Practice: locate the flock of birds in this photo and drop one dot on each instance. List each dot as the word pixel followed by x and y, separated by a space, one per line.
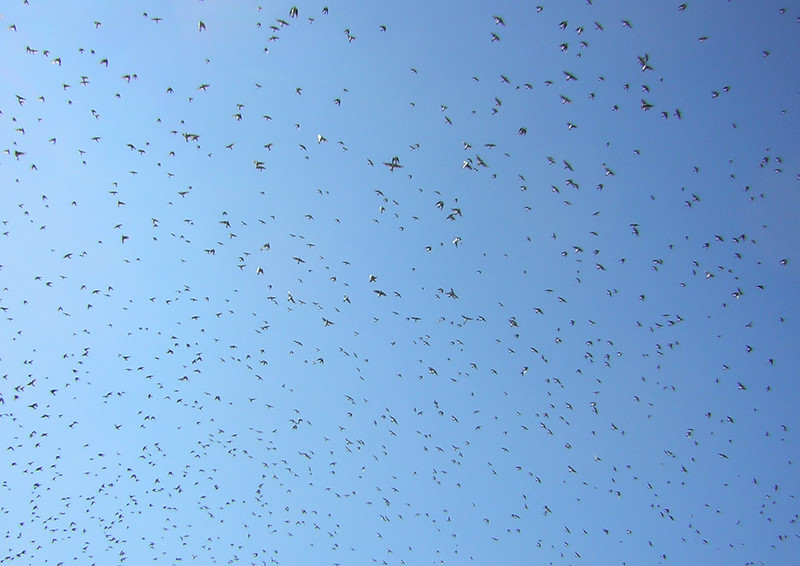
pixel 311 285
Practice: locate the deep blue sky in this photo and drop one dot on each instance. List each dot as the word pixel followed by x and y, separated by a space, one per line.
pixel 399 282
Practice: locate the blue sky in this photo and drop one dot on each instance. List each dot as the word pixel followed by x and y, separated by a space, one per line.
pixel 399 282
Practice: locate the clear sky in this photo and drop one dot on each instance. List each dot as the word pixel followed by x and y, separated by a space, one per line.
pixel 399 282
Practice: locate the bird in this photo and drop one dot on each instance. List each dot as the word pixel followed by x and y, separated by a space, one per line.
pixel 393 164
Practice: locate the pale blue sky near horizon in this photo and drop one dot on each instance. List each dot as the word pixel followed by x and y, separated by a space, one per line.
pixel 399 282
